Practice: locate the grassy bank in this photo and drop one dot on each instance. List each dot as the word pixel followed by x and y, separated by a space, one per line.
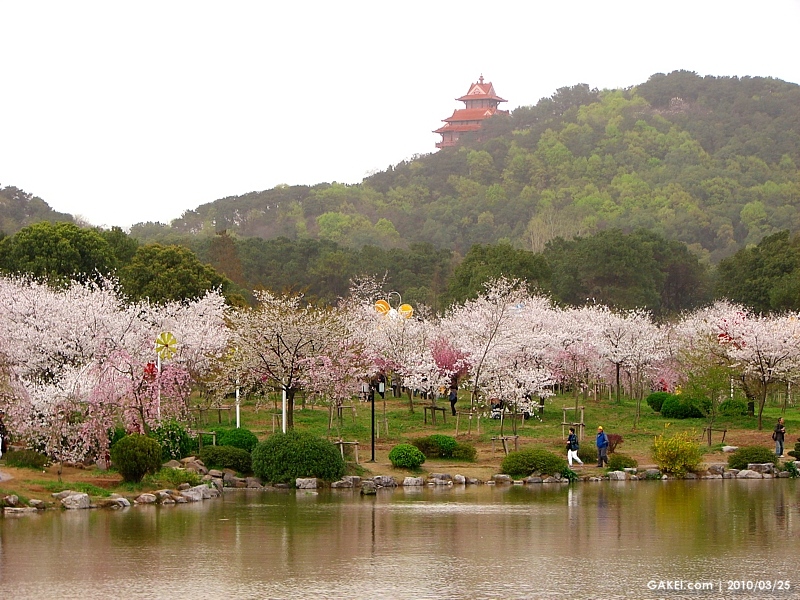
pixel 395 424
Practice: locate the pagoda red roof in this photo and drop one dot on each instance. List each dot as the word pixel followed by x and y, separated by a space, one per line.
pixel 458 127
pixel 471 114
pixel 481 91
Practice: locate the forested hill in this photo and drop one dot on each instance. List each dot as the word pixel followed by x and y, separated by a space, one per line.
pixel 709 161
pixel 19 209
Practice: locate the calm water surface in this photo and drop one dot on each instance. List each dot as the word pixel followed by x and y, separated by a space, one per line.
pixel 591 540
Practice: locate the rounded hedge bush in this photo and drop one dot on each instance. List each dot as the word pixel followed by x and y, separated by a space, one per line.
pixel 238 438
pixel 751 454
pixel 406 456
pixel 466 452
pixel 174 440
pixel 619 462
pixel 134 456
pixel 227 457
pixel 436 445
pixel 656 400
pixel 522 463
pixel 733 407
pixel 681 407
pixel 283 457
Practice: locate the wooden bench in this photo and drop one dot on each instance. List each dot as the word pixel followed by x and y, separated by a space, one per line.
pixel 433 410
pixel 342 444
pixel 504 440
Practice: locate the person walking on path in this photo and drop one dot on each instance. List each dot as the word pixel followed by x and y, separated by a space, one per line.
pixel 453 399
pixel 572 447
pixel 602 447
pixel 778 435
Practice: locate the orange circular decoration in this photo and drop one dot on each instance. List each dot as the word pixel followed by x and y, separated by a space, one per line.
pixel 406 310
pixel 382 306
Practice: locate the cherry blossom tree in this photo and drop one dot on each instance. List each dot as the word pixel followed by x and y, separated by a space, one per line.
pixel 275 340
pixel 78 361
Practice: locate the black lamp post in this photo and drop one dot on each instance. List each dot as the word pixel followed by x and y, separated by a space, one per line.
pixel 372 400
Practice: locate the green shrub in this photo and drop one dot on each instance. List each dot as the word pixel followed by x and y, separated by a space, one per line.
pixel 172 478
pixel 682 407
pixel 789 466
pixel 226 457
pixel 733 407
pixel 26 459
pixel 619 462
pixel 238 438
pixel 522 463
pixel 466 452
pixel 174 440
pixel 656 400
pixel 136 455
pixel 677 455
pixel 283 457
pixel 406 456
pixel 751 454
pixel 587 453
pixel 436 445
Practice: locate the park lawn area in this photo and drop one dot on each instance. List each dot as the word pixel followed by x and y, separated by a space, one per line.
pixel 395 424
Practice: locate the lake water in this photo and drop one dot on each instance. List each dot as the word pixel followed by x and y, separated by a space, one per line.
pixel 604 540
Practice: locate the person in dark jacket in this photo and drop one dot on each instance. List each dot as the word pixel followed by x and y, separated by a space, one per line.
pixel 453 399
pixel 572 447
pixel 778 435
pixel 602 447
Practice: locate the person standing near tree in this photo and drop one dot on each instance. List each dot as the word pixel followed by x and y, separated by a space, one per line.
pixel 572 447
pixel 453 399
pixel 778 435
pixel 602 447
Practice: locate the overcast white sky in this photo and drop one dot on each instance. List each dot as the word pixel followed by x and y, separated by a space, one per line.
pixel 137 111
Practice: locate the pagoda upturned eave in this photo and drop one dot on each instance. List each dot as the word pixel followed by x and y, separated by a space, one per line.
pixel 469 97
pixel 457 127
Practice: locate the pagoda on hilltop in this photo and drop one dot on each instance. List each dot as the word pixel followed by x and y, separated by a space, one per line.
pixel 480 102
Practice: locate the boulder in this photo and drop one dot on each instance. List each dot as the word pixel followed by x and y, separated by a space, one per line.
pixel 37 504
pixel 76 501
pixel 459 479
pixel 761 467
pixel 11 501
pixel 618 476
pixel 253 483
pixel 652 474
pixel 192 495
pixel 172 464
pixel 64 493
pixel 730 448
pixel 690 476
pixel 748 474
pixel 532 479
pixel 306 483
pixel 502 478
pixel 342 484
pixel 413 481
pixel 216 473
pixel 145 499
pixel 18 510
pixel 550 479
pixel 368 488
pixel 716 469
pixel 384 481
